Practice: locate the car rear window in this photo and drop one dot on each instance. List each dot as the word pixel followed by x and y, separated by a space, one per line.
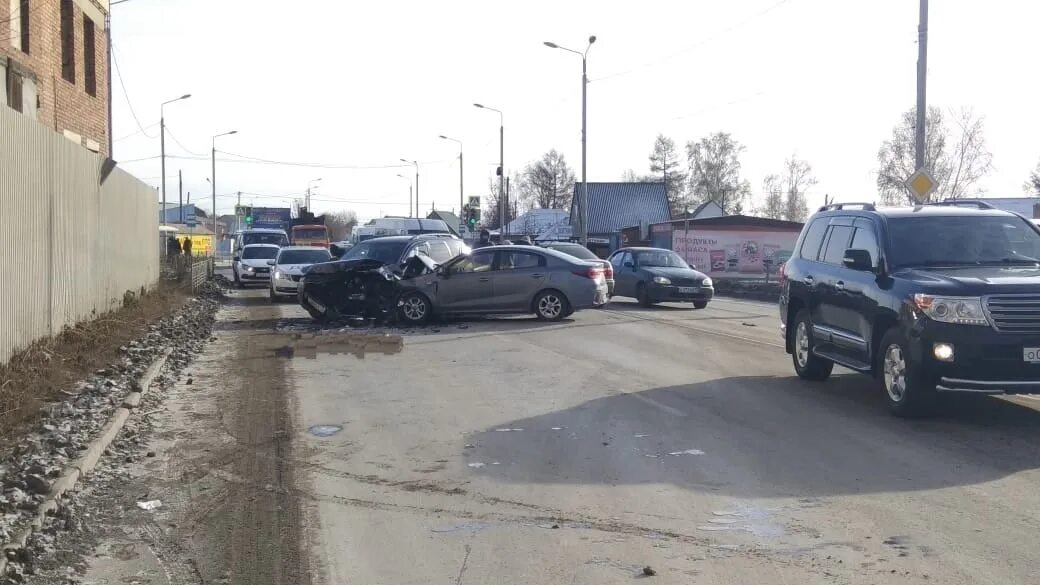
pixel 303 256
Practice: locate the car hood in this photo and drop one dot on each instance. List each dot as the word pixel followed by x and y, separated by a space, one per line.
pixel 256 263
pixel 291 268
pixel 974 280
pixel 673 272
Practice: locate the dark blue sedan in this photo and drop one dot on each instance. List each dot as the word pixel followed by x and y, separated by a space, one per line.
pixel 656 275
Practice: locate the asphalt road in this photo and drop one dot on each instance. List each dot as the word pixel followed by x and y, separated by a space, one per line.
pixel 511 451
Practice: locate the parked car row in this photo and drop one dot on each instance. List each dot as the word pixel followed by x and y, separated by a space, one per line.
pixel 412 278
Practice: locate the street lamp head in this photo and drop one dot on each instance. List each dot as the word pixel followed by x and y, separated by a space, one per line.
pixel 592 39
pixel 232 132
pixel 405 160
pixel 443 136
pixel 551 45
pixel 185 96
pixel 479 105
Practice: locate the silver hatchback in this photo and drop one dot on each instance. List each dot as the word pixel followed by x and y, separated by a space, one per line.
pixel 504 280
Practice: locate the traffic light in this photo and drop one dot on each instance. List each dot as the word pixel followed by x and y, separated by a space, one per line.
pixel 472 216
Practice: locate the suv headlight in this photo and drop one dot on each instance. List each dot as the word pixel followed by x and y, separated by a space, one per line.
pixel 661 280
pixel 277 274
pixel 959 310
pixel 706 282
pixel 250 269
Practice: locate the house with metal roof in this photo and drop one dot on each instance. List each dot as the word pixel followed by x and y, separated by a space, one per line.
pixel 454 223
pixel 613 206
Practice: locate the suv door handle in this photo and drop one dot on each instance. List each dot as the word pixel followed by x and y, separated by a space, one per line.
pixel 483 279
pixel 539 275
pixel 809 279
pixel 840 285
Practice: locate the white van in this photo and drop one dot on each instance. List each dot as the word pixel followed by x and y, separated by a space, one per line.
pixel 397 226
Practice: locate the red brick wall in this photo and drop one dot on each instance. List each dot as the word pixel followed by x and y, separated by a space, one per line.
pixel 62 105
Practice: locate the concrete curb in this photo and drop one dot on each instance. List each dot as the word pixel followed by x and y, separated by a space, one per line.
pixel 86 463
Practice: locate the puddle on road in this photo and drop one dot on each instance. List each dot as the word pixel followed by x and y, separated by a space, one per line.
pixel 324 430
pixel 358 345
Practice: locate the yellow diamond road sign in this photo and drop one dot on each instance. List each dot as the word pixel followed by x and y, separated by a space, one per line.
pixel 921 185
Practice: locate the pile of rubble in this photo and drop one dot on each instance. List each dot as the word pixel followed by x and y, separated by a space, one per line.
pixel 68 426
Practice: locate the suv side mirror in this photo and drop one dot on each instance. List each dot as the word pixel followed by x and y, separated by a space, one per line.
pixel 629 265
pixel 271 262
pixel 236 258
pixel 858 260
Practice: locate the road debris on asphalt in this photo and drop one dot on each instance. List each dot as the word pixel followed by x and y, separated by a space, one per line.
pixel 149 505
pixel 687 452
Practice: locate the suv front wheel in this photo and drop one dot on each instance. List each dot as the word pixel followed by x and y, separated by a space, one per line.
pixel 808 365
pixel 907 391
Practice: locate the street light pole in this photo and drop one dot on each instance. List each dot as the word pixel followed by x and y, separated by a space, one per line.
pixel 922 71
pixel 584 212
pixel 162 149
pixel 307 200
pixel 501 170
pixel 416 163
pixel 461 193
pixel 213 173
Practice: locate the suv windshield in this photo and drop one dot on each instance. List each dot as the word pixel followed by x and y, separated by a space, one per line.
pixel 259 253
pixel 663 258
pixel 303 256
pixel 387 252
pixel 961 240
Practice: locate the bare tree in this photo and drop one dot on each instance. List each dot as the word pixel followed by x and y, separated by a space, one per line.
pixel 340 224
pixel 715 172
pixel 774 206
pixel 548 183
pixel 956 162
pixel 665 166
pixel 1032 186
pixel 798 179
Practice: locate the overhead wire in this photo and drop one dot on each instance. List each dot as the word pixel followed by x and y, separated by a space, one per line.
pixel 126 96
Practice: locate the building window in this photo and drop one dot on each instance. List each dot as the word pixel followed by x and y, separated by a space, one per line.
pixel 23 24
pixel 68 43
pixel 14 90
pixel 89 77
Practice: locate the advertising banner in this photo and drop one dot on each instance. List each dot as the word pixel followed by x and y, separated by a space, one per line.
pixel 734 252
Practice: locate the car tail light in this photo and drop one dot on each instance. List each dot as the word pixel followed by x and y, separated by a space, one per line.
pixel 593 272
pixel 781 273
pixel 608 271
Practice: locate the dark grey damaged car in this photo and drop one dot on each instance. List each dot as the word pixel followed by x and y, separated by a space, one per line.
pixel 489 281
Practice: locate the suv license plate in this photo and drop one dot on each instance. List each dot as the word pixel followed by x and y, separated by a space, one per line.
pixel 687 289
pixel 1031 354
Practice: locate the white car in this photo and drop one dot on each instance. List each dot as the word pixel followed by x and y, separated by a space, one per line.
pixel 288 268
pixel 250 264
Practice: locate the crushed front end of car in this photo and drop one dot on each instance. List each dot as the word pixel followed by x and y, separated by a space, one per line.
pixel 357 291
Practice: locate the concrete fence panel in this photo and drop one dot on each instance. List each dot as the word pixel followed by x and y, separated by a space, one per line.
pixel 70 246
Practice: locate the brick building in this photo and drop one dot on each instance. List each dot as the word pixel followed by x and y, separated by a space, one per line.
pixel 54 66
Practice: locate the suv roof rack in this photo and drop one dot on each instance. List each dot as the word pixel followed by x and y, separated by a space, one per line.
pixel 865 206
pixel 976 203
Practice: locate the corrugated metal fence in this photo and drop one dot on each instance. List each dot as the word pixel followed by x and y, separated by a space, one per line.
pixel 69 247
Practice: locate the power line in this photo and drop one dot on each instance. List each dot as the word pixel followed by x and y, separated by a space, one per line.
pixel 694 46
pixel 317 165
pixel 131 135
pixel 115 63
pixel 178 142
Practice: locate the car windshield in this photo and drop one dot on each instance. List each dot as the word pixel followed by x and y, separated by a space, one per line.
pixel 387 252
pixel 265 238
pixel 962 240
pixel 660 258
pixel 259 253
pixel 303 256
pixel 580 252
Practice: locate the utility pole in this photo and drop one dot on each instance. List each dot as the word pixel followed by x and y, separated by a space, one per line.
pixel 180 197
pixel 460 180
pixel 922 71
pixel 505 218
pixel 584 143
pixel 416 190
pixel 162 160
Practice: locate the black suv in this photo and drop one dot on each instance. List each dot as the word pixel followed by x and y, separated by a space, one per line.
pixel 930 299
pixel 396 250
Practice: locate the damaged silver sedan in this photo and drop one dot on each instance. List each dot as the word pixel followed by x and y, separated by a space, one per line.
pixel 490 281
